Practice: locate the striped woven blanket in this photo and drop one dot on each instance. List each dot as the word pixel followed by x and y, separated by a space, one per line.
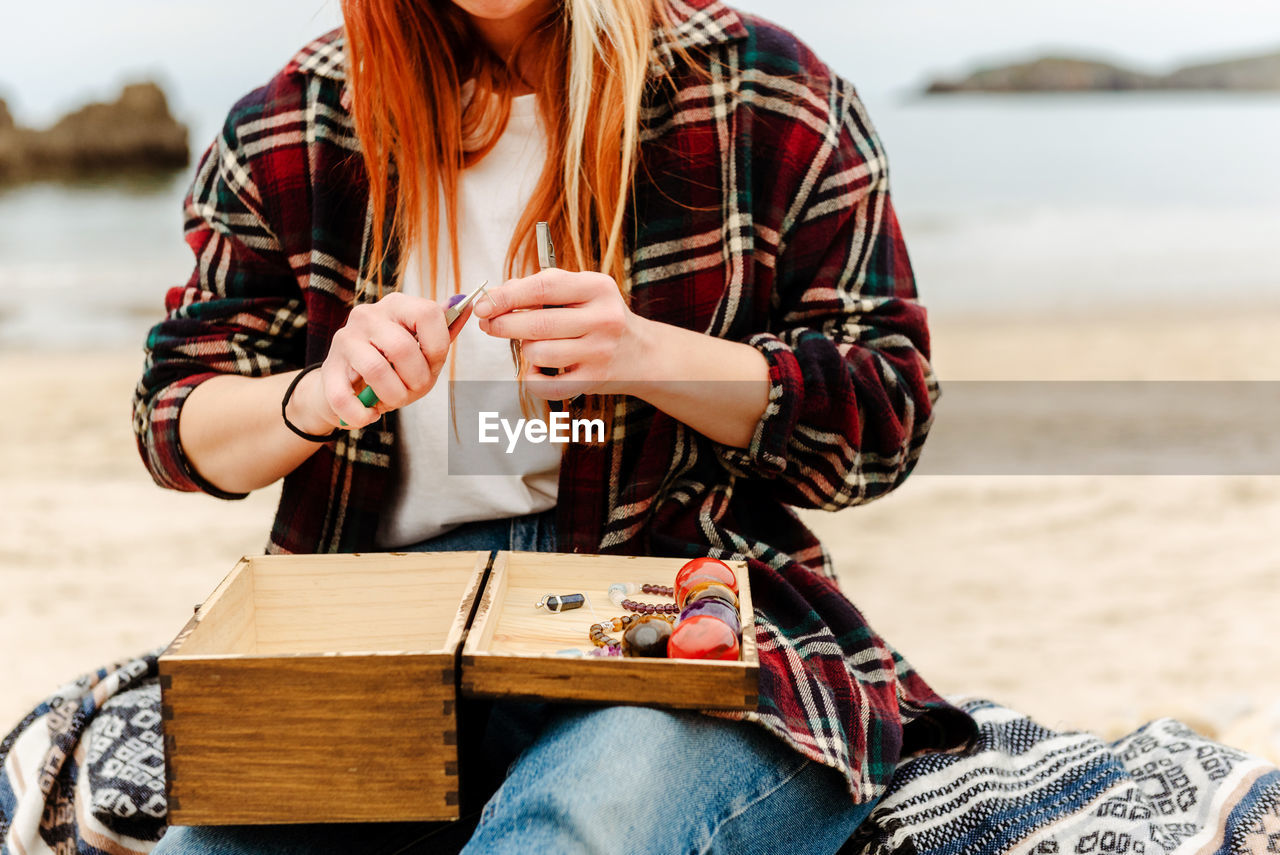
pixel 1023 789
pixel 84 773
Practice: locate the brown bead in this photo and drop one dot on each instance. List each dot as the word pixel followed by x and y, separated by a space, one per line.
pixel 647 638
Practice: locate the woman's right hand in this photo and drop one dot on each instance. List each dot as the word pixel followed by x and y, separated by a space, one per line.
pixel 397 346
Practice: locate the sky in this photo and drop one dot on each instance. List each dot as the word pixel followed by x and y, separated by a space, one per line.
pixel 56 55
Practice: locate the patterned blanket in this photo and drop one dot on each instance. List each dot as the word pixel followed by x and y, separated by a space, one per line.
pixel 1023 789
pixel 83 774
pixel 84 771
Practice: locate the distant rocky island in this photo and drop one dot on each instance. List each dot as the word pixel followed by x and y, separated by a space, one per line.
pixel 135 133
pixel 1067 74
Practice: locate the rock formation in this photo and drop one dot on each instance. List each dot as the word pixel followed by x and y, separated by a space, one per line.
pixel 1065 74
pixel 135 133
pixel 1254 74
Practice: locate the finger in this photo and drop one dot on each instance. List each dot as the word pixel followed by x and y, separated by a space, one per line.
pixel 433 335
pixel 372 367
pixel 413 313
pixel 402 350
pixel 434 340
pixel 557 353
pixel 545 288
pixel 560 387
pixel 540 324
pixel 335 375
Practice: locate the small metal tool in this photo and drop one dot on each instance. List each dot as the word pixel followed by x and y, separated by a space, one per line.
pixel 546 249
pixel 546 261
pixel 368 397
pixel 455 310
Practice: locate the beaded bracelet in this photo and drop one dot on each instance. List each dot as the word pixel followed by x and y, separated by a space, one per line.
pixel 638 638
pixel 619 590
pixel 708 617
pixel 618 624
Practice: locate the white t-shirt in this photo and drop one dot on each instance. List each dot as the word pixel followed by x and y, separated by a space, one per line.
pixel 428 500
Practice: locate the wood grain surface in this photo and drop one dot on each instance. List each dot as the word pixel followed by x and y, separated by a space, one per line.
pixel 511 649
pixel 325 688
pixel 320 689
pixel 345 738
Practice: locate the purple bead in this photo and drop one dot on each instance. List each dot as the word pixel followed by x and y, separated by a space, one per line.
pixel 456 299
pixel 605 651
pixel 715 608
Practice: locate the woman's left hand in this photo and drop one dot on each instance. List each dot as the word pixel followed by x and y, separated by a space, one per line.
pixel 719 388
pixel 576 322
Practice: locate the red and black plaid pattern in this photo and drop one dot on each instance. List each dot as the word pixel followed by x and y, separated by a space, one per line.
pixel 761 214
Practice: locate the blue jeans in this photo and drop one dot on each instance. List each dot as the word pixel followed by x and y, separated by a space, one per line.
pixel 579 779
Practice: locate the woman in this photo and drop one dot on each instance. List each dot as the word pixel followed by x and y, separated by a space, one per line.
pixel 735 299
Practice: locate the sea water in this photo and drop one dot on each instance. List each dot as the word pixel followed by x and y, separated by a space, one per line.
pixel 1040 204
pixel 1087 203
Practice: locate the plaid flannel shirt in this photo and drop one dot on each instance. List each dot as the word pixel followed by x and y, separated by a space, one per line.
pixel 760 214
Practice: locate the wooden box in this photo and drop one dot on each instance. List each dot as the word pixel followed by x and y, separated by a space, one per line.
pixel 320 689
pixel 511 648
pixel 325 688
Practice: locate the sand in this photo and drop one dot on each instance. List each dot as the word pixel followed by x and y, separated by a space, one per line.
pixel 1089 601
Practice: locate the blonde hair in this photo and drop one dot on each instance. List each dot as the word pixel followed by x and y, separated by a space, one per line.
pixel 600 28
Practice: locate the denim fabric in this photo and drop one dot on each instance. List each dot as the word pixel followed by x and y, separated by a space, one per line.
pixel 530 533
pixel 610 779
pixel 562 778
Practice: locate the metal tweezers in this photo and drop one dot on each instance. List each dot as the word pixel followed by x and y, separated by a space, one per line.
pixel 455 310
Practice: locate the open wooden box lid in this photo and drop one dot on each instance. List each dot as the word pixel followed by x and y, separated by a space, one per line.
pixel 298 605
pixel 320 688
pixel 512 647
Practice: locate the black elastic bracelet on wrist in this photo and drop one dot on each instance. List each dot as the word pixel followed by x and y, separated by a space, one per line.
pixel 284 410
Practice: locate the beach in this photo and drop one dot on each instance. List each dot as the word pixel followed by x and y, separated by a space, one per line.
pixel 1089 601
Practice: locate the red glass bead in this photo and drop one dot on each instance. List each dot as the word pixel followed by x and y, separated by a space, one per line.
pixel 716 569
pixel 704 570
pixel 703 637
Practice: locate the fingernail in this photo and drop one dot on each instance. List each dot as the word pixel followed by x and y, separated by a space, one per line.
pixel 483 307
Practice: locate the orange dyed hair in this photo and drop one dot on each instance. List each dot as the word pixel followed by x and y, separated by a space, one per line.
pixel 407 61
